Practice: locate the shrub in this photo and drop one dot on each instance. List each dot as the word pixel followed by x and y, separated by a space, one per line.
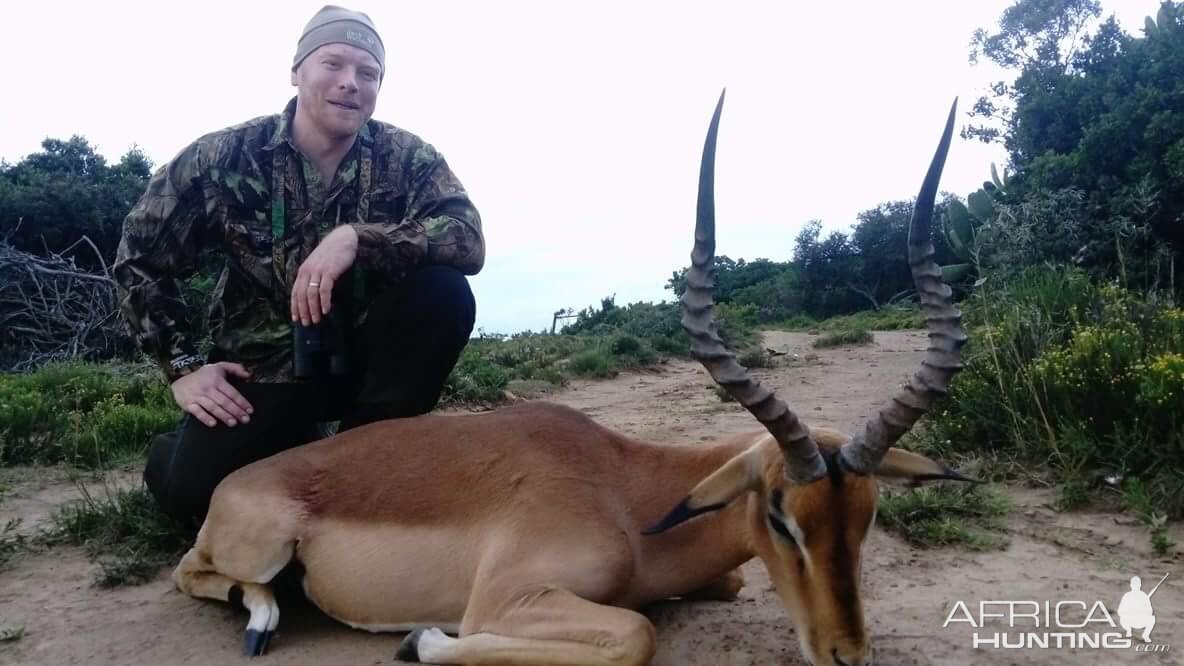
pixel 592 363
pixel 798 321
pixel 1082 380
pixel 891 318
pixel 88 414
pixel 476 377
pixel 625 345
pixel 737 325
pixel 632 352
pixel 857 336
pixel 678 345
pixel 755 358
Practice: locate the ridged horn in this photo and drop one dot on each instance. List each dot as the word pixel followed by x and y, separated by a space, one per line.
pixel 943 358
pixel 803 464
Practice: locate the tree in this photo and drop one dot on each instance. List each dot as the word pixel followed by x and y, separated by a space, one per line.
pixel 879 240
pixel 731 276
pixel 826 268
pixel 1100 114
pixel 54 197
pixel 1037 37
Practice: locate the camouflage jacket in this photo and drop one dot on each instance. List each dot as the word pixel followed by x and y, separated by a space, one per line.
pixel 216 196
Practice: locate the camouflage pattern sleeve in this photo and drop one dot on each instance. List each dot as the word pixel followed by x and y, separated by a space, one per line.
pixel 441 225
pixel 159 245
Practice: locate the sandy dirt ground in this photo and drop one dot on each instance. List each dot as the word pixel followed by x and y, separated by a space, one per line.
pixel 908 592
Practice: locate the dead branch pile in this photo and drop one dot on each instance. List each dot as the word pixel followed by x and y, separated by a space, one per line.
pixel 51 310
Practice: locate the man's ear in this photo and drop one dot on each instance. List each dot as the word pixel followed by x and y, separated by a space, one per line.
pixel 294 70
pixel 913 469
pixel 740 474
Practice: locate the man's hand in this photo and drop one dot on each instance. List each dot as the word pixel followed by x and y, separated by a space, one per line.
pixel 209 397
pixel 312 290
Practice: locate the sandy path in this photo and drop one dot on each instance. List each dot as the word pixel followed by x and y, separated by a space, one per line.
pixel 908 592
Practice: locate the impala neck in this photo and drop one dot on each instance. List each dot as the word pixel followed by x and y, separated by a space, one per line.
pixel 691 555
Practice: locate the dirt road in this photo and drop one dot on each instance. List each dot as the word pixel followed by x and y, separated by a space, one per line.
pixel 908 592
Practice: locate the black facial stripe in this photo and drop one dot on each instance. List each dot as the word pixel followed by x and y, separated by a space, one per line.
pixel 780 528
pixel 835 468
pixel 845 589
pixel 776 516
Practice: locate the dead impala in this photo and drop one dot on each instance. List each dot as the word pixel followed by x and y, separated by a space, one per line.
pixel 534 534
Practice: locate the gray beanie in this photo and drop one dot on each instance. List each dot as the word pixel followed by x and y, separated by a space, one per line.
pixel 332 25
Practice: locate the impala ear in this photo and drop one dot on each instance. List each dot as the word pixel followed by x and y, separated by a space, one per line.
pixel 913 469
pixel 743 473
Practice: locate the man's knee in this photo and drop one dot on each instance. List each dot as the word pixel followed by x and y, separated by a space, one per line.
pixel 176 494
pixel 440 297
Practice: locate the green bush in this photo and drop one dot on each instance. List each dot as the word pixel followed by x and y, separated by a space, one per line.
pixel 1082 380
pixel 626 345
pixel 891 318
pixel 797 322
pixel 478 378
pixel 85 414
pixel 738 325
pixel 657 325
pixel 632 352
pixel 672 345
pixel 592 363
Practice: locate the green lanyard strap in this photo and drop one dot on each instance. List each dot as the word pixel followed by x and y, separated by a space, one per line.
pixel 279 166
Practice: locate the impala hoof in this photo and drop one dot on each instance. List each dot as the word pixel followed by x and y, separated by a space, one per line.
pixel 255 642
pixel 409 648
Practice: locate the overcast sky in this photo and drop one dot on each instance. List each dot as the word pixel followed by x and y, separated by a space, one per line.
pixel 576 127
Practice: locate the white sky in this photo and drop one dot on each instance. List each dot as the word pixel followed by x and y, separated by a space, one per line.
pixel 575 126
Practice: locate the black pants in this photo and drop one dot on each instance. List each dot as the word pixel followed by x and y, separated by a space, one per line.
pixel 400 358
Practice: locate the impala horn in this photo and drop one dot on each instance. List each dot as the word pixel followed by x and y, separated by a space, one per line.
pixel 803 463
pixel 943 358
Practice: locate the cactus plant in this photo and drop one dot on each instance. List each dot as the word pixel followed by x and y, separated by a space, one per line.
pixel 961 222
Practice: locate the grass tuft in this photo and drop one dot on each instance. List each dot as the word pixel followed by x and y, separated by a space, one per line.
pixel 124 530
pixel 947 514
pixel 10 632
pixel 592 363
pixel 843 338
pixel 12 542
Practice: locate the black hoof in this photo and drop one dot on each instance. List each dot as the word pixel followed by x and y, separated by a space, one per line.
pixel 409 648
pixel 255 642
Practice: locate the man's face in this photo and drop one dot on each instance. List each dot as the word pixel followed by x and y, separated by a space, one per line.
pixel 337 86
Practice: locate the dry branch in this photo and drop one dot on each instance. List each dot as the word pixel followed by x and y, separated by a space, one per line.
pixel 51 310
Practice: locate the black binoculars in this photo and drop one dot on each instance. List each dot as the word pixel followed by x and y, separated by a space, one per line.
pixel 319 350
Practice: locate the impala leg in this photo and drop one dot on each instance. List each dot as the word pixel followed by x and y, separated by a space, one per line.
pixel 195 577
pixel 725 588
pixel 544 626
